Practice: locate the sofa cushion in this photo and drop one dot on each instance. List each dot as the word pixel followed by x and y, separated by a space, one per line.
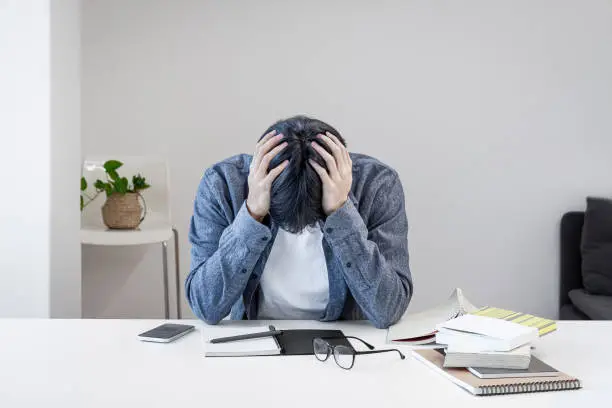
pixel 597 307
pixel 596 247
pixel 570 312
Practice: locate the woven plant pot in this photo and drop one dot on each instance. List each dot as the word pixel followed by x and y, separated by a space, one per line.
pixel 123 211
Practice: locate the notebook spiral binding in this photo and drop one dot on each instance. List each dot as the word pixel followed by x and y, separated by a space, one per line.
pixel 530 387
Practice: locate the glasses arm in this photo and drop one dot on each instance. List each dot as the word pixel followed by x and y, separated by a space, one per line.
pixel 380 351
pixel 368 345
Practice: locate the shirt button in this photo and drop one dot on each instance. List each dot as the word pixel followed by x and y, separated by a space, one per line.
pixel 243 270
pixel 329 230
pixel 348 264
pixel 264 238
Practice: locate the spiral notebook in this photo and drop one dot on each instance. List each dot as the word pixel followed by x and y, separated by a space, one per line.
pixel 495 386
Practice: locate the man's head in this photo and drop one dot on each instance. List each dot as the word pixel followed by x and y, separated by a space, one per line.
pixel 297 192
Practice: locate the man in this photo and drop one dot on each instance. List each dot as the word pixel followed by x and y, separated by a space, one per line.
pixel 300 230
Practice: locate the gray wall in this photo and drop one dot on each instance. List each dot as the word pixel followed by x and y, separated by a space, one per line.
pixel 65 255
pixel 496 115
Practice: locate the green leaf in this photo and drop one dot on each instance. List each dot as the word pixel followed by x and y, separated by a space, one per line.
pixel 112 165
pixel 139 183
pixel 121 185
pixel 82 203
pixel 100 185
pixel 108 188
pixel 83 184
pixel 113 175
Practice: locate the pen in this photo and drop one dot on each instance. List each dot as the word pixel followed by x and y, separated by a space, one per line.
pixel 246 336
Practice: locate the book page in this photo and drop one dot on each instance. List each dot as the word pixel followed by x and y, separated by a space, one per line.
pixel 423 324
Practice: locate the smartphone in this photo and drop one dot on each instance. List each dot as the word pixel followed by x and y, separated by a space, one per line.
pixel 166 333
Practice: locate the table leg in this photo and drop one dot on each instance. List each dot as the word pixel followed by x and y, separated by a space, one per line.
pixel 165 277
pixel 177 274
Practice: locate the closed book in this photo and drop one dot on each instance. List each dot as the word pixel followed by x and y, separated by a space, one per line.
pixel 484 333
pixel 537 368
pixel 518 358
pixel 544 326
pixel 494 386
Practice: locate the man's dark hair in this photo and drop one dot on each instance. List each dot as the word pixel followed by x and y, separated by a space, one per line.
pixel 297 192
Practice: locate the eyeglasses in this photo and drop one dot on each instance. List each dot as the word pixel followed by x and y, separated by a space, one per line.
pixel 343 355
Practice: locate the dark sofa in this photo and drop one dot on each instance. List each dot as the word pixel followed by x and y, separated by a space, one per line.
pixel 575 303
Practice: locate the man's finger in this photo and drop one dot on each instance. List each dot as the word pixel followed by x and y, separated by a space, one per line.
pixel 264 148
pixel 335 139
pixel 265 138
pixel 273 174
pixel 320 171
pixel 342 147
pixel 332 166
pixel 267 158
pixel 273 141
pixel 336 150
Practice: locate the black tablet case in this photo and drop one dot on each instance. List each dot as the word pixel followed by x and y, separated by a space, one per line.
pixel 299 342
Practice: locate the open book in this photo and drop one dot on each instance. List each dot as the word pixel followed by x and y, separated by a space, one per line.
pixel 420 328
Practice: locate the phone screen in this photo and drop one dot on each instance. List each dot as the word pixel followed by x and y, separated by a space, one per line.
pixel 167 331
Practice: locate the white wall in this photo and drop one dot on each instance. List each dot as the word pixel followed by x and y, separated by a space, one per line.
pixel 24 126
pixel 496 115
pixel 32 115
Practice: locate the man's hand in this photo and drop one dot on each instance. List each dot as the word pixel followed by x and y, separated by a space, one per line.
pixel 260 181
pixel 338 177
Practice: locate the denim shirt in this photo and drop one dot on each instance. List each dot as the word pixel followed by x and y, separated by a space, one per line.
pixel 365 243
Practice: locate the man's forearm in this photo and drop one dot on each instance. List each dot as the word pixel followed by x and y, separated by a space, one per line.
pixel 380 284
pixel 218 281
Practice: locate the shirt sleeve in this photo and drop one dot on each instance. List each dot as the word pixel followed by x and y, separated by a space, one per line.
pixel 223 253
pixel 374 257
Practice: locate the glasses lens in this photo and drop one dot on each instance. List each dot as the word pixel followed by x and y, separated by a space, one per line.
pixel 344 357
pixel 321 349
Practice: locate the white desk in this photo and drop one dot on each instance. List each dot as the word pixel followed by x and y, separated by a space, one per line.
pixel 100 363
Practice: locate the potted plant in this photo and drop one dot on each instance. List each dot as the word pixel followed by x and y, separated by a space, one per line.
pixel 122 209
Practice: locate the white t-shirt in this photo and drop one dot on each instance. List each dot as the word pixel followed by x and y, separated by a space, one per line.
pixel 294 284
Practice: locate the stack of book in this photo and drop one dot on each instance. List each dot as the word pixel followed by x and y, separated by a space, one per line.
pixel 488 352
pixel 480 341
